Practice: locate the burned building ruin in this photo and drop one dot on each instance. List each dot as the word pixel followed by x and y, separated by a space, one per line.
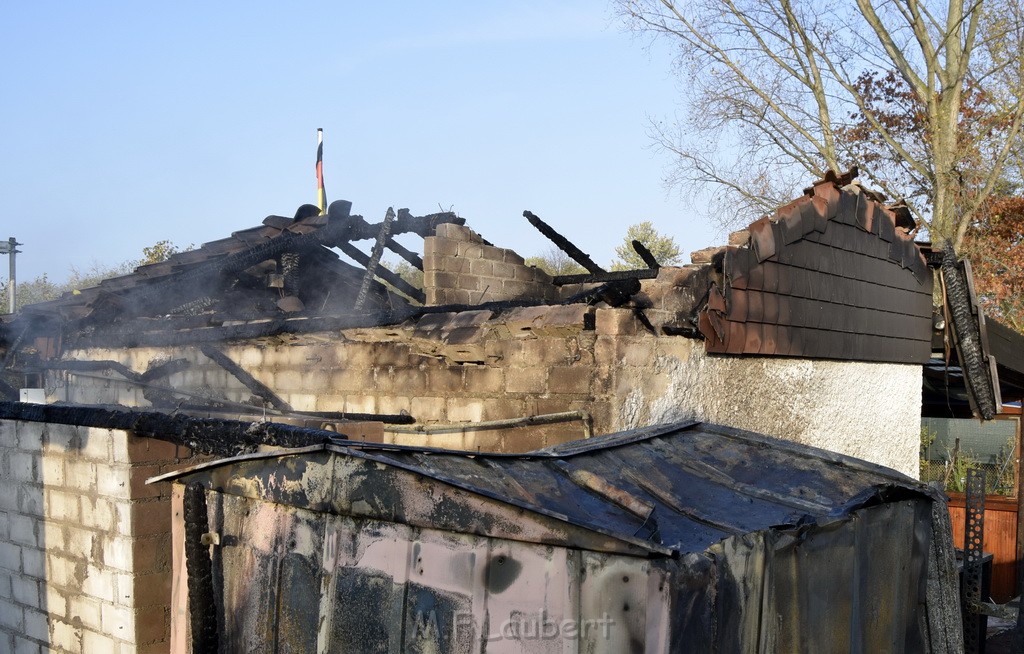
pixel 813 327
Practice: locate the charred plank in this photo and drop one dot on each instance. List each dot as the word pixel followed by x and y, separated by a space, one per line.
pixel 414 259
pixel 970 347
pixel 577 255
pixel 614 294
pixel 201 435
pixel 375 254
pixel 199 570
pixel 162 333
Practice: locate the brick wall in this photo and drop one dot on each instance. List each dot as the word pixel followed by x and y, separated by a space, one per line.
pixel 84 543
pixel 460 268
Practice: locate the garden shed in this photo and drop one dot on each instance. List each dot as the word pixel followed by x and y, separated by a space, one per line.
pixel 680 537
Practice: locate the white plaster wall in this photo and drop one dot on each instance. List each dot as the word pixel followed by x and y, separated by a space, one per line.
pixel 868 410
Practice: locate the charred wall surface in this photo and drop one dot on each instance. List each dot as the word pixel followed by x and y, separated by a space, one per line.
pixel 684 537
pixel 453 371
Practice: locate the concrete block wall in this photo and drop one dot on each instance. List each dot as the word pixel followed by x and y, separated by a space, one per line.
pixel 460 268
pixel 458 369
pixel 84 542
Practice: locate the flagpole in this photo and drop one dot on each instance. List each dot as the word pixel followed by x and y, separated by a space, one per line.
pixel 321 193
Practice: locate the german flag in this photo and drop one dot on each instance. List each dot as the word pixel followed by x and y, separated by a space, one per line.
pixel 321 194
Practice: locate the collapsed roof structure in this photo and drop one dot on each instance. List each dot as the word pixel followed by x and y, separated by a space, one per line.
pixel 812 326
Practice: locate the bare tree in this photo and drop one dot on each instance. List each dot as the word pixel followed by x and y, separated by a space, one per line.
pixel 771 85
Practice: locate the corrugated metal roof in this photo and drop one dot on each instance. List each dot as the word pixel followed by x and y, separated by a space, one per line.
pixel 667 489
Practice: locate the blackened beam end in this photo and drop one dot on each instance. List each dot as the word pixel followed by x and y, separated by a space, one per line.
pixel 564 244
pixel 646 255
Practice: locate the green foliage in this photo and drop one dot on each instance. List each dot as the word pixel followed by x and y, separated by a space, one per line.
pixel 663 248
pixel 39 289
pixel 952 471
pixel 556 262
pixel 159 251
pixel 956 470
pixel 408 272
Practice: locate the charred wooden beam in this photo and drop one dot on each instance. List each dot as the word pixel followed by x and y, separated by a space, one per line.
pixel 375 254
pixel 234 410
pixel 414 259
pixel 614 276
pixel 91 366
pixel 564 244
pixel 361 258
pixel 162 370
pixel 645 254
pixel 495 305
pixel 201 435
pixel 360 230
pixel 158 371
pixel 164 333
pixel 239 373
pixel 199 570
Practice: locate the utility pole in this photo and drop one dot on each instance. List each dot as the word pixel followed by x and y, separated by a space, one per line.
pixel 10 247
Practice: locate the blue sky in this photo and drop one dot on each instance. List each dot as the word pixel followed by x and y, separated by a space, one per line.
pixel 128 123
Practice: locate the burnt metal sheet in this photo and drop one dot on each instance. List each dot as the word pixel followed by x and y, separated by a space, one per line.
pixel 703 481
pixel 293 580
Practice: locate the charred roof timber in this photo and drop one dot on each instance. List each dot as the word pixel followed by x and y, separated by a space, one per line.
pixel 222 437
pixel 378 249
pixel 564 244
pixel 645 254
pixel 833 274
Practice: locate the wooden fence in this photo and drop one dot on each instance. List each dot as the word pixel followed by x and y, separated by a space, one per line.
pixel 1000 539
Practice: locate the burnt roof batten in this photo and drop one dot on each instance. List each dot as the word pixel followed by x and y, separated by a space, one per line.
pixel 375 254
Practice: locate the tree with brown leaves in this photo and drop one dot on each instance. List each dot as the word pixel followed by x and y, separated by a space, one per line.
pixel 771 86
